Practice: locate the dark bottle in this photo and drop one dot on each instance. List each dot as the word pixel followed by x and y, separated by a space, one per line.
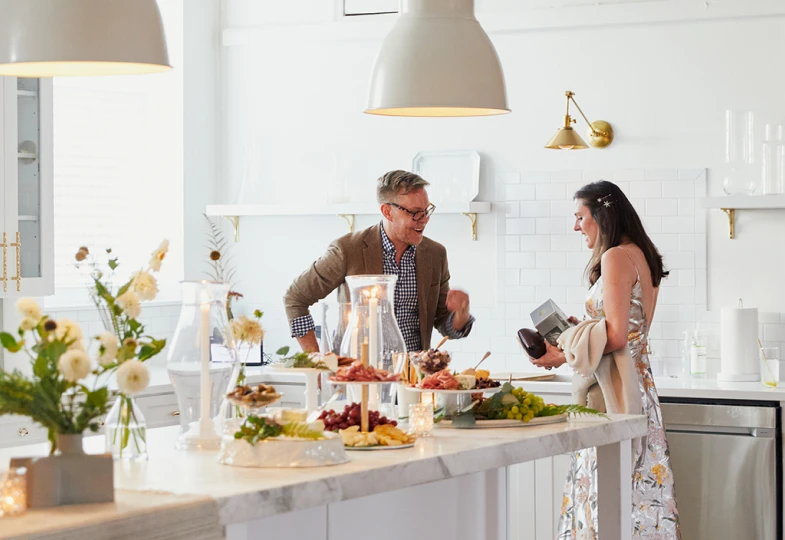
pixel 532 342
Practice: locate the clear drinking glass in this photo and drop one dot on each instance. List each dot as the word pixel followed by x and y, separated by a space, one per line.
pixel 770 366
pixel 13 492
pixel 772 160
pixel 202 361
pixel 739 153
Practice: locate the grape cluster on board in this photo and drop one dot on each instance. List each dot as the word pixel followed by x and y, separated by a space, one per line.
pixel 333 420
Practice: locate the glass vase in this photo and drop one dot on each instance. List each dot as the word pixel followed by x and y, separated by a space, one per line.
pixel 739 153
pixel 202 364
pixel 372 321
pixel 125 430
pixel 772 164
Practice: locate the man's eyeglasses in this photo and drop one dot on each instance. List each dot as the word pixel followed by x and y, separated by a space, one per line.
pixel 416 215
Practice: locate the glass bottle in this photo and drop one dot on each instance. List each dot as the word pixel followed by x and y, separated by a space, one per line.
pixel 739 153
pixel 125 430
pixel 202 361
pixel 772 160
pixel 373 321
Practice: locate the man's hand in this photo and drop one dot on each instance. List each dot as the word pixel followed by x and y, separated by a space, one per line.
pixel 458 303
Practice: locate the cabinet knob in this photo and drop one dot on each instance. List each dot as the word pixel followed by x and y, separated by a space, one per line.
pixel 175 413
pixel 23 432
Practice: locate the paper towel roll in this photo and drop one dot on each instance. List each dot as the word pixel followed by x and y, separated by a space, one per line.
pixel 739 345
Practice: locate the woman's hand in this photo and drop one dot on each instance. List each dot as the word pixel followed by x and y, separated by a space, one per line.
pixel 552 358
pixel 573 320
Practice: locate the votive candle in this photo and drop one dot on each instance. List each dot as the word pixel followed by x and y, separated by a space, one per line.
pixel 13 492
pixel 421 419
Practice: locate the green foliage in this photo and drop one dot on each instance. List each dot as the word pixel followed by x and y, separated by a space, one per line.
pixel 256 429
pixel 575 410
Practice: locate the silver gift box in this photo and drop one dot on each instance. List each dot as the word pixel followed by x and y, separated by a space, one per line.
pixel 550 321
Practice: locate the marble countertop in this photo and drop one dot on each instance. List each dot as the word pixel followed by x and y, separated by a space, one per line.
pixel 243 494
pixel 690 387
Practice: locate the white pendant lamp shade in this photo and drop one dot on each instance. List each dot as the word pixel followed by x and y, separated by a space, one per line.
pixel 52 38
pixel 437 61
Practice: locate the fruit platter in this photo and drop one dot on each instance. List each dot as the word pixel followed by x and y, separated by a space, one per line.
pixel 514 407
pixel 267 441
pixel 381 433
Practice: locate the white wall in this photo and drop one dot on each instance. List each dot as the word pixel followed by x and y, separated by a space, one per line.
pixel 293 102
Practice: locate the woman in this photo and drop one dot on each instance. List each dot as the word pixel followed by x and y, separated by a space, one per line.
pixel 624 272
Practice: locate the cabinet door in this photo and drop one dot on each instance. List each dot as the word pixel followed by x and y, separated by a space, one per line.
pixel 28 175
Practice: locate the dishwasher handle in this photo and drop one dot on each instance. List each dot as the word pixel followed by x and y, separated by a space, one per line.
pixel 713 417
pixel 763 433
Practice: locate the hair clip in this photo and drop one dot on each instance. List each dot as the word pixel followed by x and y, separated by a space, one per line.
pixel 602 201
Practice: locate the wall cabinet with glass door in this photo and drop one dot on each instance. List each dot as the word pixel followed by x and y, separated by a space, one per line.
pixel 27 188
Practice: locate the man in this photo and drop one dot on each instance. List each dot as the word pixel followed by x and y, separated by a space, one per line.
pixel 423 299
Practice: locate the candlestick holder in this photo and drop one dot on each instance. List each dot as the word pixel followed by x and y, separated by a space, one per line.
pixel 421 419
pixel 13 492
pixel 373 321
pixel 202 364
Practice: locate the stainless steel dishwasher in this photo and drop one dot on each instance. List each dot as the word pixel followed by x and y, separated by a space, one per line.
pixel 727 467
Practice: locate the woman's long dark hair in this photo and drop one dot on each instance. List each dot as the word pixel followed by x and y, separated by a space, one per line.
pixel 617 221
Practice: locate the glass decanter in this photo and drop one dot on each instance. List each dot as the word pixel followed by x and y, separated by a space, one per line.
pixel 372 321
pixel 740 174
pixel 202 361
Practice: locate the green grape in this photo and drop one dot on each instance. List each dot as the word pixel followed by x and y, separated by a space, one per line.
pixel 518 416
pixel 510 415
pixel 514 409
pixel 527 401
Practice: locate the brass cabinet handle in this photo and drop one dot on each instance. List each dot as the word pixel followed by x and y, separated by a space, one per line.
pixel 4 279
pixel 175 413
pixel 23 432
pixel 18 277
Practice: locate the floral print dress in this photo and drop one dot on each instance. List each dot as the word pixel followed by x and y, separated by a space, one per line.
pixel 654 513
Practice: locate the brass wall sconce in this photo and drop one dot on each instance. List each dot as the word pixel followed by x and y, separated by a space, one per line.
pixel 600 132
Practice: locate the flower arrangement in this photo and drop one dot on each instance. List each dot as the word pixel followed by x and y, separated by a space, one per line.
pixel 124 346
pixel 249 332
pixel 220 260
pixel 55 396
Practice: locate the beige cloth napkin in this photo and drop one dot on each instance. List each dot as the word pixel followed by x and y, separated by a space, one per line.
pixel 604 382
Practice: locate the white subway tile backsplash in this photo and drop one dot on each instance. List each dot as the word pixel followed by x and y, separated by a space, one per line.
pixel 774 332
pixel 662 175
pixel 551 260
pixel 553 225
pixel 535 177
pixel 678 224
pixel 566 242
pixel 520 192
pixel 535 242
pixel 686 242
pixel 678 189
pixel 662 207
pixel 520 225
pixel 667 314
pixel 509 178
pixel 520 260
pixel 512 276
pixel 563 208
pixel 666 242
pixel 519 294
pixel 578 260
pixel 690 174
pixel 687 207
pixel 512 243
pixel 629 175
pixel 593 175
pixel 686 278
pixel 567 177
pixel 512 209
pixel 646 190
pixel 535 209
pixel 551 191
pixel 557 294
pixel 652 224
pixel 566 277
pixel 577 295
pixel 535 277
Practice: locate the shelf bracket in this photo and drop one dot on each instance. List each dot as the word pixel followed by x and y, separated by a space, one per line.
pixel 235 221
pixel 473 218
pixel 350 220
pixel 731 213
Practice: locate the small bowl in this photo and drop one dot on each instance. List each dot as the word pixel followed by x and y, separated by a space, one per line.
pixel 430 361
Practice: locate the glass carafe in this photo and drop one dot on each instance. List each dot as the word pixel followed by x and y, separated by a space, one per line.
pixel 202 361
pixel 739 153
pixel 372 321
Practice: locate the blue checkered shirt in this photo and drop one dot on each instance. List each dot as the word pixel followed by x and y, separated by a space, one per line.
pixel 407 305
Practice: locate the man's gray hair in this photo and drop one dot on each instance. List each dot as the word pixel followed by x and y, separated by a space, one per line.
pixel 395 183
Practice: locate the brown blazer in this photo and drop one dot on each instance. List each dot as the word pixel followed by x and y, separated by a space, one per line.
pixel 361 253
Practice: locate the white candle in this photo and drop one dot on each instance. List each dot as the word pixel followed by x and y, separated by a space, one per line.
pixel 373 331
pixel 353 351
pixel 205 422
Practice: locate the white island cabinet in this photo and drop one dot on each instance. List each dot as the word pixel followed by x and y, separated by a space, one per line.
pixel 451 485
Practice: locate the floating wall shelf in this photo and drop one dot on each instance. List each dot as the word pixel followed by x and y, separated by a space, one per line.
pixel 730 203
pixel 347 211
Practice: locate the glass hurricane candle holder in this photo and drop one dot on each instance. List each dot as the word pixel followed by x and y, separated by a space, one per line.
pixel 202 364
pixel 13 492
pixel 421 419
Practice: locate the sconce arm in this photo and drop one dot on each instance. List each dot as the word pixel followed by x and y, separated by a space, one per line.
pixel 594 131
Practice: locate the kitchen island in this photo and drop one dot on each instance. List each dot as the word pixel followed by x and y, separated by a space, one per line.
pixel 451 485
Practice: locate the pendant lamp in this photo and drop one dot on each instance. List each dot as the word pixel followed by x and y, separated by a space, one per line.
pixel 52 38
pixel 437 61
